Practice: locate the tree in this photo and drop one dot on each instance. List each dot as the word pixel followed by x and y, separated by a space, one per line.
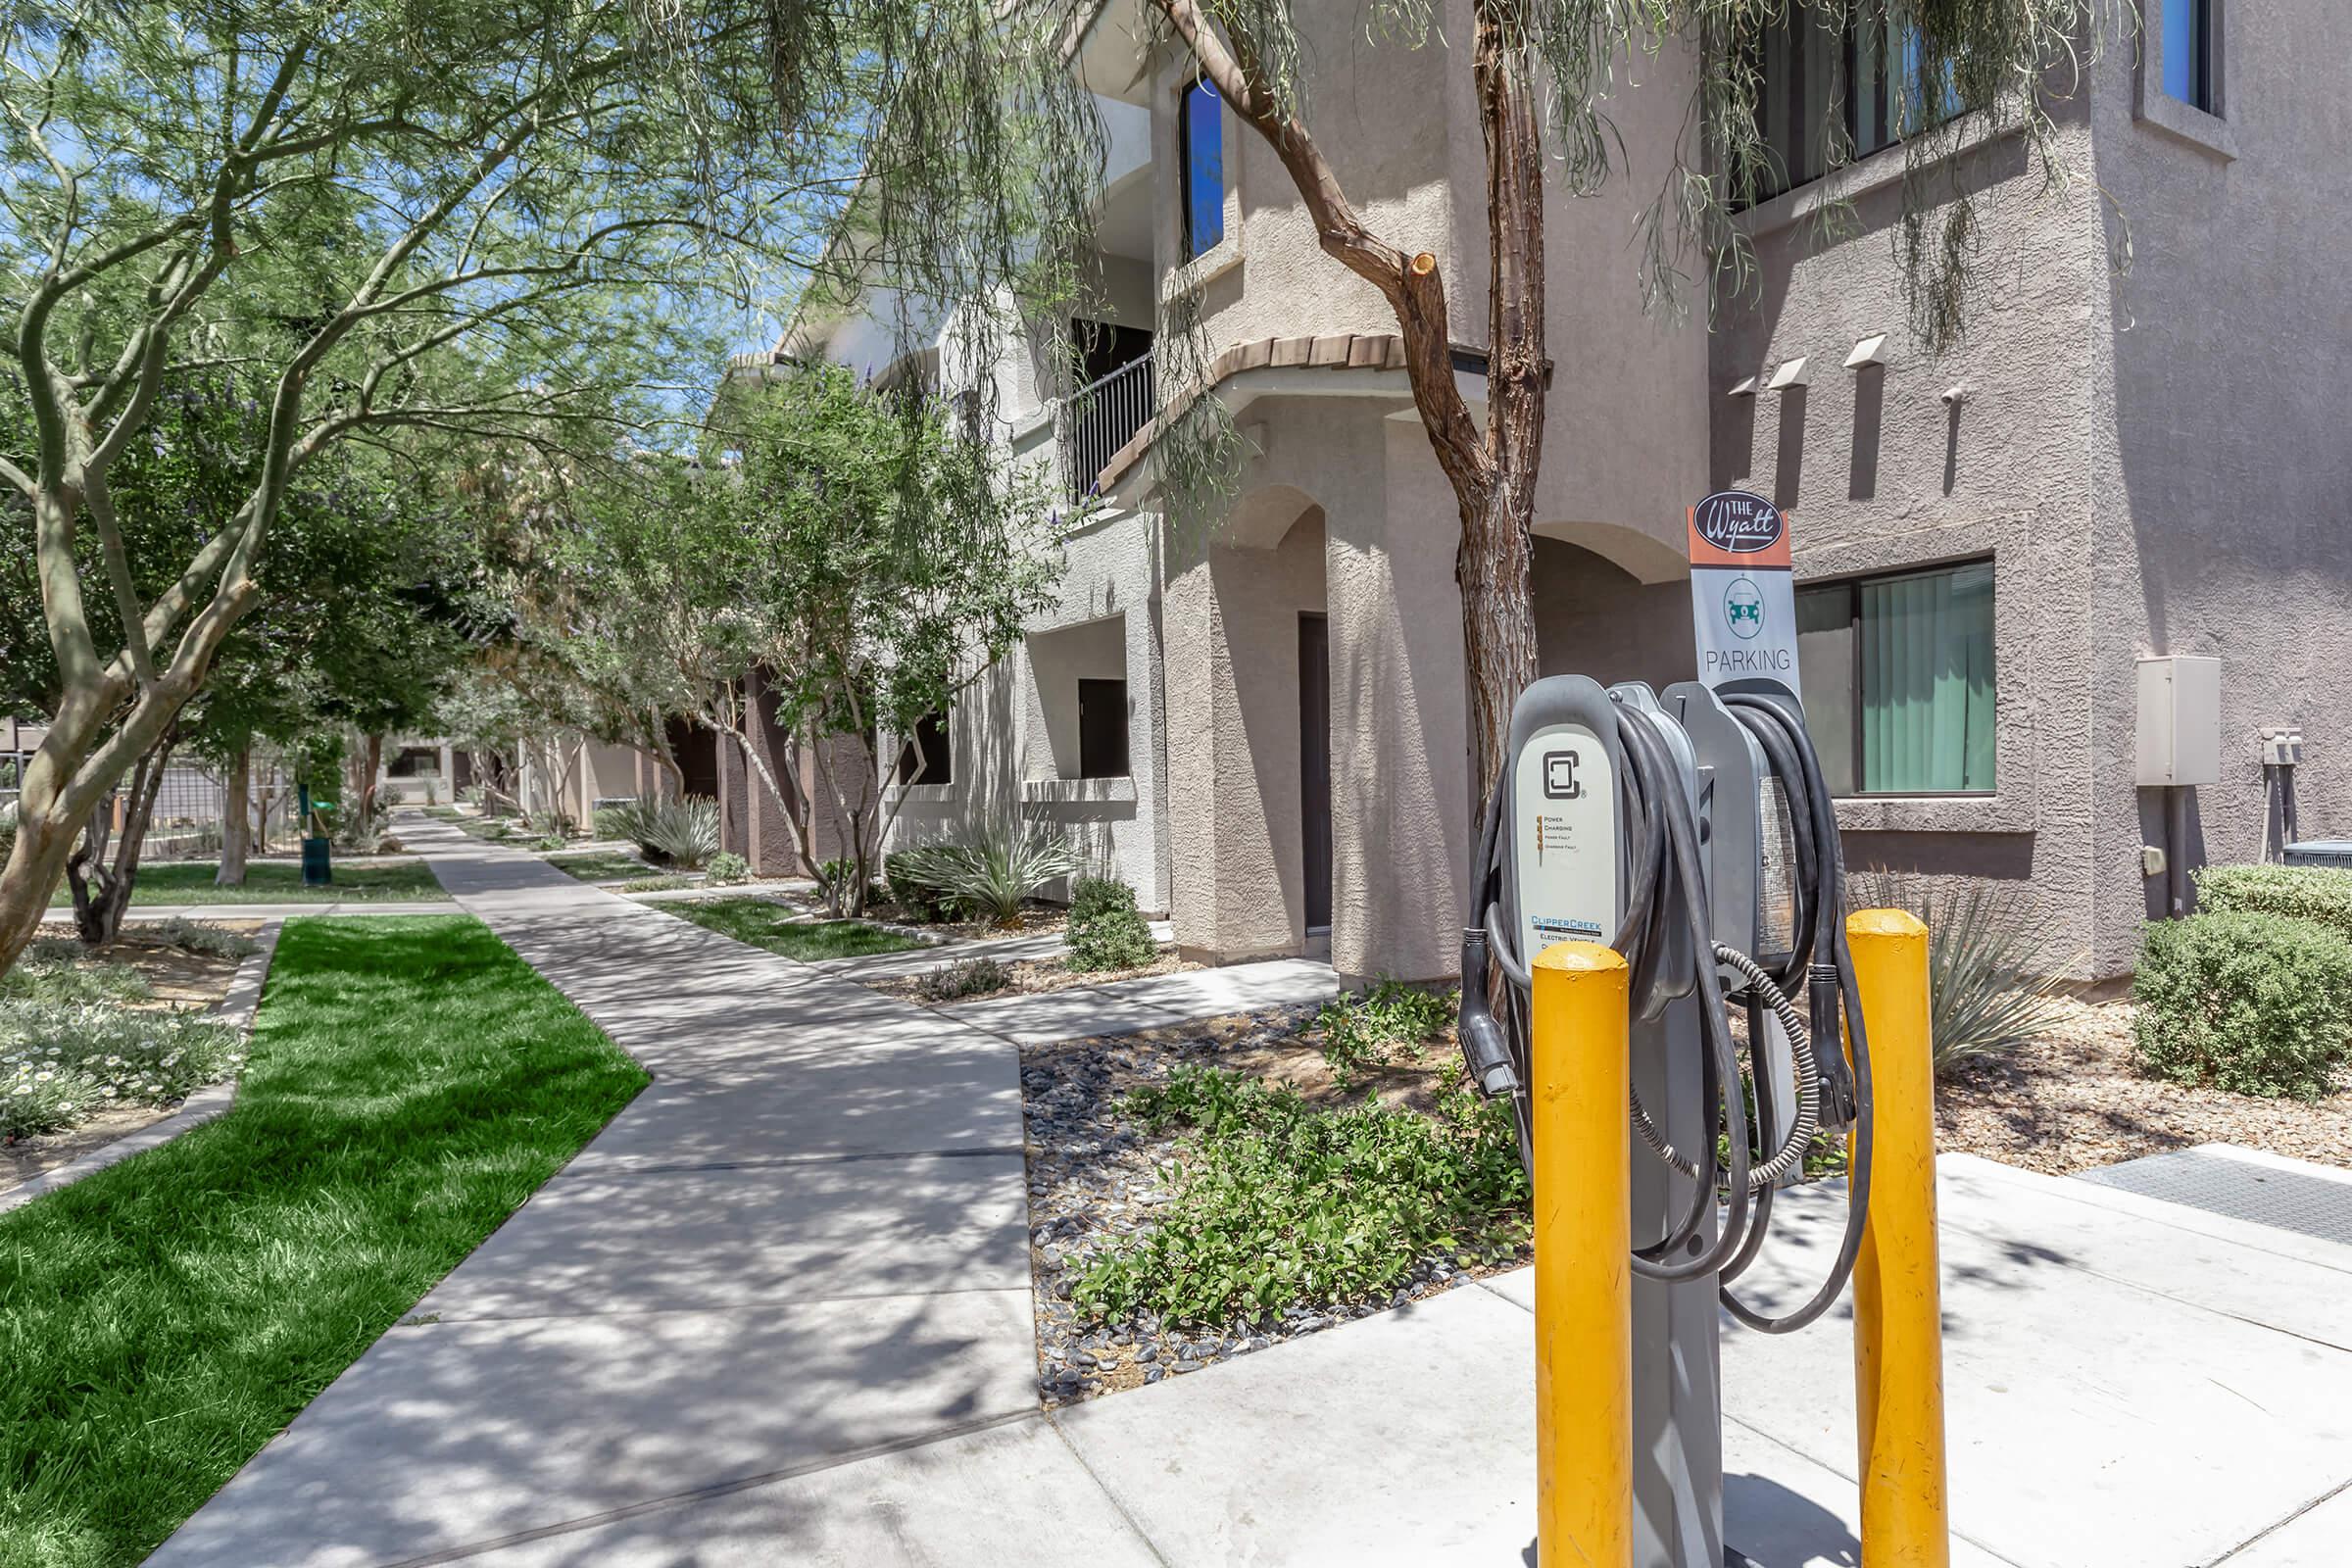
pixel 393 217
pixel 852 554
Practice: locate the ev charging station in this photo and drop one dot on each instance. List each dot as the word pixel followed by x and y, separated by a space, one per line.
pixel 1689 831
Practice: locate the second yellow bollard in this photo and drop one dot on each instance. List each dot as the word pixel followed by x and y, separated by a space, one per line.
pixel 1580 1076
pixel 1898 1323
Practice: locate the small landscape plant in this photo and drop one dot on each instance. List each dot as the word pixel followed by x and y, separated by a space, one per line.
pixel 1105 930
pixel 617 821
pixel 194 936
pixel 62 1062
pixel 1281 1202
pixel 917 899
pixel 1365 1031
pixel 994 875
pixel 728 866
pixel 2258 1003
pixel 2321 893
pixel 652 884
pixel 1991 986
pixel 973 977
pixel 680 833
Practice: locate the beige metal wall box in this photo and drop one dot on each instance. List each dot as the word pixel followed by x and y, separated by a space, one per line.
pixel 2179 720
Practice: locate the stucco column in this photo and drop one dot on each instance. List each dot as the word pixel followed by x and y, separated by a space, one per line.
pixel 734 819
pixel 1399 739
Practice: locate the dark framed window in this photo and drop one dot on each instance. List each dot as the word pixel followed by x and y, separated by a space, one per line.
pixel 926 758
pixel 1101 729
pixel 2188 53
pixel 416 761
pixel 1872 71
pixel 1900 681
pixel 1201 140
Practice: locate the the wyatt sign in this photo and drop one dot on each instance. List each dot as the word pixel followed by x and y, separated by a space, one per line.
pixel 1742 597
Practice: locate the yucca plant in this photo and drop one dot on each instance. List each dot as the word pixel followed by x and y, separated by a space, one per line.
pixel 994 875
pixel 681 833
pixel 1991 986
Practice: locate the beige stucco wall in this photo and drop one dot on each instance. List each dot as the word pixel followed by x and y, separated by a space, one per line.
pixel 2226 472
pixel 1233 754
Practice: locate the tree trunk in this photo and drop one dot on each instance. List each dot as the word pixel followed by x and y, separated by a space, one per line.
pixel 237 825
pixel 371 767
pixel 102 890
pixel 1495 565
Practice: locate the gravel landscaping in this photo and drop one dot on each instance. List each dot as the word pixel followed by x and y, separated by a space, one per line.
pixel 2074 1099
pixel 1095 1178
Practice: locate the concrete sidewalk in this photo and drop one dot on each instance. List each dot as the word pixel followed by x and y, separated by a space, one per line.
pixel 803 1246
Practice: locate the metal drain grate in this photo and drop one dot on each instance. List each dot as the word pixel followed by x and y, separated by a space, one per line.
pixel 2266 1195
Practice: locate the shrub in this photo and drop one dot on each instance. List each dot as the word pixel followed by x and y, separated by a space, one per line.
pixel 973 977
pixel 916 900
pixel 1105 931
pixel 193 936
pixel 1363 1031
pixel 1282 1203
pixel 1990 985
pixel 2321 893
pixel 728 866
pixel 616 821
pixel 680 833
pixel 994 875
pixel 63 1063
pixel 360 825
pixel 2259 1003
pixel 551 822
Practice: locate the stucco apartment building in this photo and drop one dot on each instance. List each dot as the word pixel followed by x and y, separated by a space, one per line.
pixel 1264 729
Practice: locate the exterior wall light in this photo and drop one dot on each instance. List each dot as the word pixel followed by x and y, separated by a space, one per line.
pixel 1791 373
pixel 1745 387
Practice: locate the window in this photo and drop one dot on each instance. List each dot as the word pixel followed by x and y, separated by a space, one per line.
pixel 926 758
pixel 2187 48
pixel 416 761
pixel 1873 73
pixel 1898 677
pixel 1200 137
pixel 1101 729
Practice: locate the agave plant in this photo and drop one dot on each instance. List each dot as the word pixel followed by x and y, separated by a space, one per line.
pixel 994 875
pixel 1990 985
pixel 683 833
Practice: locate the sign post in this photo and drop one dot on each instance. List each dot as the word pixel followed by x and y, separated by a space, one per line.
pixel 1743 590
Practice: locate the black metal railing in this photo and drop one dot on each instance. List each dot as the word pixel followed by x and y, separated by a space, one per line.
pixel 1100 418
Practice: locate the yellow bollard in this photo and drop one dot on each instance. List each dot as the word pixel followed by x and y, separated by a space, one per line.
pixel 1898 1324
pixel 1584 1276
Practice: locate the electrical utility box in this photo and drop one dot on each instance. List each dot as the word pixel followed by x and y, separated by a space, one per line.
pixel 2180 721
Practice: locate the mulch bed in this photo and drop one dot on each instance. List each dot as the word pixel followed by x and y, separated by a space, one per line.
pixel 1094 1179
pixel 2073 1101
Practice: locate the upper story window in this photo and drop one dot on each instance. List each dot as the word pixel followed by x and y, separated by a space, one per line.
pixel 2188 45
pixel 1200 138
pixel 927 757
pixel 1870 70
pixel 1898 679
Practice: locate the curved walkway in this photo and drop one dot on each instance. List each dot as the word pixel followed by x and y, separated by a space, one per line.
pixel 777 1310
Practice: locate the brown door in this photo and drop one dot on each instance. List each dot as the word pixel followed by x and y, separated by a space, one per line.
pixel 1314 765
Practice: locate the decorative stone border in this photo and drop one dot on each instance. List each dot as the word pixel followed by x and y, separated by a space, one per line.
pixel 235 1009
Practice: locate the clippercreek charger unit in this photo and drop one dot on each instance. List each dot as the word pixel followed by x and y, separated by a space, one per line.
pixel 1691 831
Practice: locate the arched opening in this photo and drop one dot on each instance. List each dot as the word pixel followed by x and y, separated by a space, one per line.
pixel 1595 616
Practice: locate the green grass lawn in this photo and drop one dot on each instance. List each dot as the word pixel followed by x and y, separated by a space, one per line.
pixel 765 924
pixel 277 882
pixel 599 866
pixel 412 1082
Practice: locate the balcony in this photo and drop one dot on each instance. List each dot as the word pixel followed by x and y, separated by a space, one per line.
pixel 1099 418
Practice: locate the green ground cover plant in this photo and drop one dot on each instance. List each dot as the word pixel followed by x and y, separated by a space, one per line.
pixel 1105 931
pixel 1279 1201
pixel 187 882
pixel 1360 1032
pixel 2259 1003
pixel 412 1082
pixel 598 865
pixel 654 884
pixel 782 929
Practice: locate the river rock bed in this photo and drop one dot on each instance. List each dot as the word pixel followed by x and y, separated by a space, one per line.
pixel 1095 1178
